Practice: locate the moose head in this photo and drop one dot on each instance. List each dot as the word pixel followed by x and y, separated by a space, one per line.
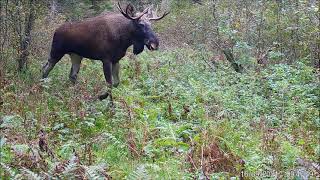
pixel 144 35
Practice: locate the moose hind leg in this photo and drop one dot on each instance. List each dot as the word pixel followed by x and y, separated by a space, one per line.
pixel 115 74
pixel 76 61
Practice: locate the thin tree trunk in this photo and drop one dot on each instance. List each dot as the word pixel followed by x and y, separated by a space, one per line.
pixel 4 28
pixel 24 44
pixel 294 32
pixel 215 21
pixel 2 39
pixel 1 33
pixel 260 44
pixel 279 31
pixel 297 37
pixel 317 60
pixel 16 21
pixel 247 17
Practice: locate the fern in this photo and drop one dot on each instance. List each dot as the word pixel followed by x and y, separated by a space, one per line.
pixel 9 170
pixel 70 167
pixel 114 140
pixel 52 170
pixel 91 173
pixel 139 173
pixel 30 174
pixel 95 172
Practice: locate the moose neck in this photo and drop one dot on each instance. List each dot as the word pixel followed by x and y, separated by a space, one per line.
pixel 131 38
pixel 126 37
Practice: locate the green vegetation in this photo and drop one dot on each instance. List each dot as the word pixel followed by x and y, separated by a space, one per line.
pixel 169 105
pixel 178 113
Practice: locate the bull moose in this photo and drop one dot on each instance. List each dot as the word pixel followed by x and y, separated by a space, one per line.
pixel 106 38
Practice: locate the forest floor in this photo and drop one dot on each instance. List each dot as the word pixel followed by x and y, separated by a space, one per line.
pixel 174 118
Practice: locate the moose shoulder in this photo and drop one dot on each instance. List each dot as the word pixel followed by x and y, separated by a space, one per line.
pixel 106 38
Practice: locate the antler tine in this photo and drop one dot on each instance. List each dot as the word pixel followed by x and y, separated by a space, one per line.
pixel 158 18
pixel 122 12
pixel 119 7
pixel 143 13
pixel 155 16
pixel 125 14
pixel 156 10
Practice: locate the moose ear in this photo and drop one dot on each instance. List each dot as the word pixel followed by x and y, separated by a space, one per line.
pixel 137 47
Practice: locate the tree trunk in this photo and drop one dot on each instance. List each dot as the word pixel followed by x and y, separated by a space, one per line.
pixel 279 30
pixel 260 28
pixel 215 21
pixel 25 42
pixel 1 33
pixel 4 27
pixel 2 39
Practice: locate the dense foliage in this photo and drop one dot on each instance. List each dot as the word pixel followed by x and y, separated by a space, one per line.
pixel 180 113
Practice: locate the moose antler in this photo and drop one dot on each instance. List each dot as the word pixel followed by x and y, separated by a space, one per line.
pixel 131 8
pixel 157 18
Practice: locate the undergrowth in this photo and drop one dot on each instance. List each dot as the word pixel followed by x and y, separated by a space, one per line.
pixel 174 118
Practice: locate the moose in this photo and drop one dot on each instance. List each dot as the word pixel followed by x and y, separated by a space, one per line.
pixel 106 38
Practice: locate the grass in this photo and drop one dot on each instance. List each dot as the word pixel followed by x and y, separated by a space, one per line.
pixel 174 118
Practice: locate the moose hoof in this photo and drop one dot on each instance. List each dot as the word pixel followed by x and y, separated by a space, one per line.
pixel 115 84
pixel 44 74
pixel 73 81
pixel 103 96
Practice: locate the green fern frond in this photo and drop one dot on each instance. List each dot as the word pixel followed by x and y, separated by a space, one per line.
pixel 91 173
pixel 114 140
pixel 52 169
pixel 139 174
pixel 70 167
pixel 9 170
pixel 95 172
pixel 30 174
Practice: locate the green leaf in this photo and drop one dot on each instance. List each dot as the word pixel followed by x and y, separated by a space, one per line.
pixel 11 121
pixel 3 140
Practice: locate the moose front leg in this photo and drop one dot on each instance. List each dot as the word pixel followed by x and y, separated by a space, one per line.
pixel 49 66
pixel 115 74
pixel 107 69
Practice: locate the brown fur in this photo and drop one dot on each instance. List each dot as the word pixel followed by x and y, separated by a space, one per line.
pixel 105 37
